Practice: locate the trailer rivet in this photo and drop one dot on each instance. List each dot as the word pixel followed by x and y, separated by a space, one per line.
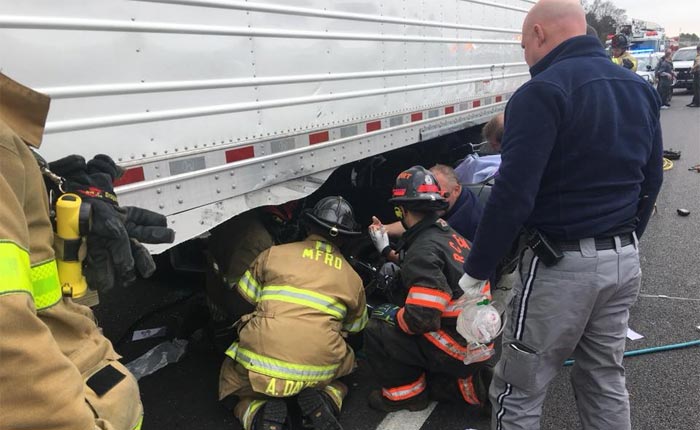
pixel 161 206
pixel 158 191
pixel 216 177
pixel 179 201
pixel 218 191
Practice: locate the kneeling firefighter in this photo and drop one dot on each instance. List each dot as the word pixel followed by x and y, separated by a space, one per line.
pixel 415 349
pixel 300 299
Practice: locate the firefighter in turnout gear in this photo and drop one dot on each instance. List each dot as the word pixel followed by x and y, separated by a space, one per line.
pixel 300 300
pixel 414 350
pixel 621 56
pixel 58 371
pixel 232 248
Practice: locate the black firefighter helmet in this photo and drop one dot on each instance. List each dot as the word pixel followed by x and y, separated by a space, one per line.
pixel 335 214
pixel 620 41
pixel 417 189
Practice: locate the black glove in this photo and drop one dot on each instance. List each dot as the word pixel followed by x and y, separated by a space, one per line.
pixel 114 250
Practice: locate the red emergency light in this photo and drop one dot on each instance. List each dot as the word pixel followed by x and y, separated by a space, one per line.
pixel 610 36
pixel 652 33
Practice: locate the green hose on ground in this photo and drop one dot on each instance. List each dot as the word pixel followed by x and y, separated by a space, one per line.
pixel 652 350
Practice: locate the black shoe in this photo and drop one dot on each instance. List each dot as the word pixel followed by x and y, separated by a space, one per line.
pixel 692 105
pixel 273 416
pixel 379 402
pixel 316 406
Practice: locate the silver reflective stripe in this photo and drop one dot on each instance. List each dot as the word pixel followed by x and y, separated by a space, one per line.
pixel 358 324
pixel 249 286
pixel 406 391
pixel 428 297
pixel 280 369
pixel 305 297
pixel 447 344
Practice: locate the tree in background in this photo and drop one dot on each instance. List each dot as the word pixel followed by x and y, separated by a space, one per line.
pixel 687 39
pixel 604 16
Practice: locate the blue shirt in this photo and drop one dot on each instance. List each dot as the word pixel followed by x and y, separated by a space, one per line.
pixel 581 154
pixel 465 214
pixel 475 169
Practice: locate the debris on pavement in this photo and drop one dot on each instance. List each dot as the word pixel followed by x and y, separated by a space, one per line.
pixel 695 168
pixel 158 357
pixel 671 154
pixel 149 333
pixel 633 335
pixel 668 164
pixel 683 212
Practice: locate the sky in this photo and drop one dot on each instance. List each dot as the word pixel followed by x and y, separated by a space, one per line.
pixel 674 15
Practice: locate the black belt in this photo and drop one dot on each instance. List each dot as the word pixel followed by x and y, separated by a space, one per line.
pixel 601 243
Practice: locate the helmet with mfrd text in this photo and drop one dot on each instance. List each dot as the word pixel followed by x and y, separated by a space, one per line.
pixel 417 189
pixel 620 41
pixel 335 214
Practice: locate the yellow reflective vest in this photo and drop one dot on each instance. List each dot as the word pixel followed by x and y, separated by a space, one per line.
pixel 305 295
pixel 627 61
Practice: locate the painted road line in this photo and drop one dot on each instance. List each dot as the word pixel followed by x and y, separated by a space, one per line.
pixel 405 420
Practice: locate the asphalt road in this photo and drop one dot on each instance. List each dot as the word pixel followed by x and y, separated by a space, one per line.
pixel 664 387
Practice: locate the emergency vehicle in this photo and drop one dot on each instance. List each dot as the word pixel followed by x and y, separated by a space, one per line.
pixel 216 107
pixel 645 37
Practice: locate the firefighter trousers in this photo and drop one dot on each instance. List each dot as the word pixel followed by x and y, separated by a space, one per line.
pixel 238 386
pixel 406 365
pixel 578 308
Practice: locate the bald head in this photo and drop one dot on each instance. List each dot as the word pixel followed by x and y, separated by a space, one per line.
pixel 548 24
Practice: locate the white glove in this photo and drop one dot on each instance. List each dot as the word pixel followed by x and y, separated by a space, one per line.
pixel 471 286
pixel 377 232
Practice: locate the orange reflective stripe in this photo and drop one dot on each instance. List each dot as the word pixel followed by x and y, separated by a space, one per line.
pixel 405 391
pixel 428 298
pixel 402 322
pixel 486 290
pixel 445 343
pixel 452 310
pixel 466 387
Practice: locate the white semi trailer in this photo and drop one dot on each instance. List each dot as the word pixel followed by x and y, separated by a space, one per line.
pixel 219 106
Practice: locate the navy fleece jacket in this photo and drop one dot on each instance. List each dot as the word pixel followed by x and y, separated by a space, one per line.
pixel 582 154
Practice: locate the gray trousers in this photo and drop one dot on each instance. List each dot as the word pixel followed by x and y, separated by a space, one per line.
pixel 578 308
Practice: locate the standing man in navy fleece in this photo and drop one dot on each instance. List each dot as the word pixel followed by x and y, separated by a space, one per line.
pixel 582 165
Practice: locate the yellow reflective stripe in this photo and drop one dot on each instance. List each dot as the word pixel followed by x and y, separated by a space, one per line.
pixel 138 424
pixel 357 325
pixel 335 394
pixel 275 368
pixel 323 246
pixel 45 283
pixel 15 275
pixel 312 299
pixel 249 286
pixel 250 412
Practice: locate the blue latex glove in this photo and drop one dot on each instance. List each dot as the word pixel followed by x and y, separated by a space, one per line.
pixel 386 312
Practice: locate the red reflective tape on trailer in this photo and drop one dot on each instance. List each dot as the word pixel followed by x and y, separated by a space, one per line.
pixel 476 103
pixel 374 126
pixel 449 110
pixel 239 154
pixel 135 174
pixel 499 99
pixel 318 137
pixel 416 116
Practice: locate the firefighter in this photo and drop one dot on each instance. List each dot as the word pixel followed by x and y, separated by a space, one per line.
pixel 232 247
pixel 415 349
pixel 621 55
pixel 299 300
pixel 58 370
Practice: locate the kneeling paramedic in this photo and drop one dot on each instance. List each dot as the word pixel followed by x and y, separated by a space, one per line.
pixel 416 348
pixel 58 370
pixel 300 300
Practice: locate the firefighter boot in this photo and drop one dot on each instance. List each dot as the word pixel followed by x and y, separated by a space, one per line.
pixel 319 409
pixel 379 402
pixel 272 416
